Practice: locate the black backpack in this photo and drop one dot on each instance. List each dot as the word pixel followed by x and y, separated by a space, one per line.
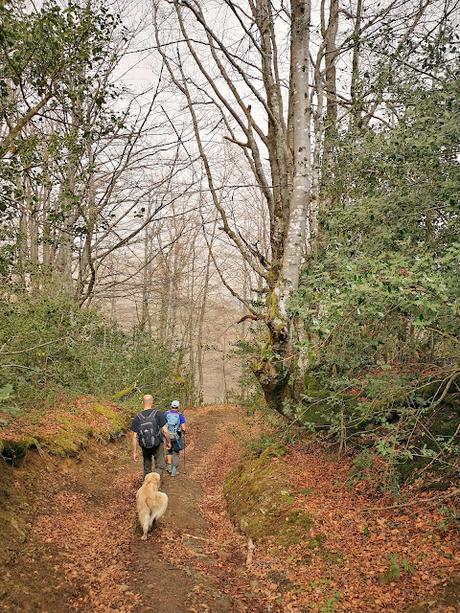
pixel 149 434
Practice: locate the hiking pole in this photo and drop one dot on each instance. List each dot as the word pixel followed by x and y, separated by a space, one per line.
pixel 185 465
pixel 183 434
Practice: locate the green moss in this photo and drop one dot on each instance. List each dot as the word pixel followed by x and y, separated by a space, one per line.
pixel 300 518
pixel 76 425
pixel 124 392
pixel 296 526
pixel 74 430
pixel 66 442
pixel 287 497
pixel 317 541
pixel 260 504
pixel 332 558
pixel 71 423
pixel 116 419
pixel 252 502
pixel 276 450
pixel 14 451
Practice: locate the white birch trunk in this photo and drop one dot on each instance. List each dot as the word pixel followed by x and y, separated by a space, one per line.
pixel 301 134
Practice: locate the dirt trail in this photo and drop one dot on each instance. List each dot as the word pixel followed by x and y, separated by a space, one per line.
pixel 163 584
pixel 77 545
pixel 85 553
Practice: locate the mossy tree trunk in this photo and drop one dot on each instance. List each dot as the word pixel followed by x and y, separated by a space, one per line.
pixel 276 365
pixel 284 183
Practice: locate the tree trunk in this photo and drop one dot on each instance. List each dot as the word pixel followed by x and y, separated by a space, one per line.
pixel 355 116
pixel 33 241
pixel 330 126
pixel 274 368
pixel 200 352
pixel 191 339
pixel 146 283
pixel 286 192
pixel 224 369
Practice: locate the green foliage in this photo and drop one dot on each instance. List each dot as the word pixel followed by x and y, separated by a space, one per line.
pixel 50 346
pixel 56 54
pixel 380 298
pixel 397 567
pixel 450 518
pixel 251 396
pixel 5 394
pixel 361 464
pixel 56 49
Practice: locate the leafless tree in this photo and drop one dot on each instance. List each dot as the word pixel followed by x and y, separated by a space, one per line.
pixel 277 83
pixel 285 184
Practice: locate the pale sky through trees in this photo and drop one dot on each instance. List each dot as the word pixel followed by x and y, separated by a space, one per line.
pixel 188 202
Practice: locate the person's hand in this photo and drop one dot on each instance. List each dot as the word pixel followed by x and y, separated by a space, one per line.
pixel 168 445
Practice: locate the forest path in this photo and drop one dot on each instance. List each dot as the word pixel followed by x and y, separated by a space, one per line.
pixel 80 549
pixel 160 573
pixel 85 552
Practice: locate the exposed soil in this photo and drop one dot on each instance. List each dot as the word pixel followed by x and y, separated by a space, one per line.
pixel 79 548
pixel 70 539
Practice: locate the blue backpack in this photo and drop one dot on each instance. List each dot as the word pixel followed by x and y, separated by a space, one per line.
pixel 174 429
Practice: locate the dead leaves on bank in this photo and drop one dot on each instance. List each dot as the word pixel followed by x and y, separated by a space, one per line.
pixel 354 557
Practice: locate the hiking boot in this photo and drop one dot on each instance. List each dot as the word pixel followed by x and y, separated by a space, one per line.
pixel 169 468
pixel 174 471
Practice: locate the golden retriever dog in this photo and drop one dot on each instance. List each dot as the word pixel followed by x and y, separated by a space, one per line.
pixel 151 504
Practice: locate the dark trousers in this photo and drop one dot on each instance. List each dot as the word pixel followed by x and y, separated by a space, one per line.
pixel 175 450
pixel 157 454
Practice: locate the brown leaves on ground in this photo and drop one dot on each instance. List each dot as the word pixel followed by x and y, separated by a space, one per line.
pixel 219 552
pixel 356 559
pixel 94 547
pixel 352 558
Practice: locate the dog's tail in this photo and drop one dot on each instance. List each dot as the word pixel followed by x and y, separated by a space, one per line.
pixel 161 506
